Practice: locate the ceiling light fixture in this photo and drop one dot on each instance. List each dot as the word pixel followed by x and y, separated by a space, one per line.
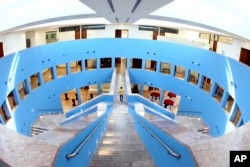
pixel 117 20
pixel 111 5
pixel 127 20
pixel 136 5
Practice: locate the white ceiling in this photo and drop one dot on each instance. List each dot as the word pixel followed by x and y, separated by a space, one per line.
pixel 230 17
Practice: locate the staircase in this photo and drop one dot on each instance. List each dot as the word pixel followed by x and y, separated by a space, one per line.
pixel 121 146
pixel 37 130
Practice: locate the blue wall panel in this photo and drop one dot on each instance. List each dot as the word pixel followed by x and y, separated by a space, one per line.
pixel 228 73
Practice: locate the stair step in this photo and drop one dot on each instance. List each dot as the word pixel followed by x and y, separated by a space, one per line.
pixel 37 130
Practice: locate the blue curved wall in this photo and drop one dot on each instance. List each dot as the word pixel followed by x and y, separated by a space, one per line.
pixel 228 73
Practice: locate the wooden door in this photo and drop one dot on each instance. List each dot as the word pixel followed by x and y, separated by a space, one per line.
pixel 1 50
pixel 84 34
pixel 77 34
pixel 118 33
pixel 245 56
pixel 215 46
pixel 155 33
pixel 80 35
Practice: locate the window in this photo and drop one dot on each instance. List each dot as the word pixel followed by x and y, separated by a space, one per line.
pixel 4 114
pixel 206 85
pixel 11 100
pixel 193 77
pixel 51 36
pixel 76 66
pixel 162 29
pixel 165 68
pixel 136 63
pixel 47 75
pixel 106 63
pixel 90 64
pixel 179 72
pixel 135 88
pixel 229 104
pixel 61 70
pixel 236 116
pixel 34 81
pixel 22 90
pixel 105 87
pixel 69 100
pixel 152 93
pixel 218 93
pixel 150 65
pixel 171 101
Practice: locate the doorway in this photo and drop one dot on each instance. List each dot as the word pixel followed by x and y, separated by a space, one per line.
pixel 80 34
pixel 155 33
pixel 1 50
pixel 245 56
pixel 121 33
pixel 120 64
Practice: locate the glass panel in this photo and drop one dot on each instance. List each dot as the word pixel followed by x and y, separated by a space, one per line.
pixel 179 72
pixel 61 70
pixel 165 68
pixel 90 64
pixel 193 77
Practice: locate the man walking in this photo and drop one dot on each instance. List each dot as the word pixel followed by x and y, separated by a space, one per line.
pixel 121 92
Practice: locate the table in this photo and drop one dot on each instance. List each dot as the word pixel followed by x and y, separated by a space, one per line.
pixel 168 102
pixel 170 94
pixel 155 95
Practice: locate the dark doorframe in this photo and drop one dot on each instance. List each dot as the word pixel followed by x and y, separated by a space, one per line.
pixel 245 56
pixel 1 50
pixel 28 43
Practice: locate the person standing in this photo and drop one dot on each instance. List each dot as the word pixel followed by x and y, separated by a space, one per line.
pixel 121 92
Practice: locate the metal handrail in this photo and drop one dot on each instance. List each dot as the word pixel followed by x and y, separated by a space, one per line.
pixel 169 150
pixel 78 149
